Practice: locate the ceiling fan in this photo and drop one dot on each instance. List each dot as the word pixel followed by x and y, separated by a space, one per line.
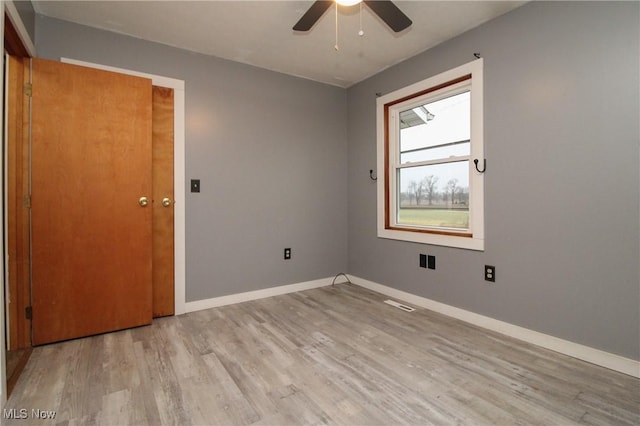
pixel 385 9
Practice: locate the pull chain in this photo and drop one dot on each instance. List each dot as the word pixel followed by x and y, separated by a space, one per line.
pixel 336 46
pixel 361 32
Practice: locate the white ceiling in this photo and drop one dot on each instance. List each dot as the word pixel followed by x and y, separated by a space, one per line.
pixel 259 32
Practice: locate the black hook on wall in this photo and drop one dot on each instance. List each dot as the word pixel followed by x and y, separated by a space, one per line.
pixel 371 176
pixel 484 165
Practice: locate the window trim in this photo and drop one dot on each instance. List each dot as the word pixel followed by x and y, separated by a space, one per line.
pixel 473 238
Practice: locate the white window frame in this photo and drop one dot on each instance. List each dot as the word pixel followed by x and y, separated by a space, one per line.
pixel 388 135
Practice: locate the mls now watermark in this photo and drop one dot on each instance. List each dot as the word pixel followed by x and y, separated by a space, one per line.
pixel 23 413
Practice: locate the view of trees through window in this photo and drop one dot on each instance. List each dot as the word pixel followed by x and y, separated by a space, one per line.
pixel 433 179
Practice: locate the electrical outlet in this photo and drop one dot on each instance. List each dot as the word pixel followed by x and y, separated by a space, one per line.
pixel 490 273
pixel 431 262
pixel 287 253
pixel 423 260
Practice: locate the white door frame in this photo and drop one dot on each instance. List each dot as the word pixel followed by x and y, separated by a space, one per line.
pixel 9 8
pixel 178 175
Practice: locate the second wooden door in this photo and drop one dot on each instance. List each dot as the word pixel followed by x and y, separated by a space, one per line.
pixel 163 217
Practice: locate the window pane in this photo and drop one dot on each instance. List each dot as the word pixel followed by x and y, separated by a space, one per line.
pixel 434 195
pixel 436 130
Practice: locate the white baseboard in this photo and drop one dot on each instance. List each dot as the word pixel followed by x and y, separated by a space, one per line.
pixel 231 299
pixel 575 350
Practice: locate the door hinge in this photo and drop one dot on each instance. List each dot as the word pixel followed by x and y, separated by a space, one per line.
pixel 26 201
pixel 28 312
pixel 28 89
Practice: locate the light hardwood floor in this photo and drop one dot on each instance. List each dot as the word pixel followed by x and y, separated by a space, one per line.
pixel 333 355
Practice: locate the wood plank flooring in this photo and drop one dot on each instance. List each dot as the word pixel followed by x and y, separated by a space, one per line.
pixel 334 355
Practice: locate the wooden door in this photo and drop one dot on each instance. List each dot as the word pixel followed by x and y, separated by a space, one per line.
pixel 91 239
pixel 163 232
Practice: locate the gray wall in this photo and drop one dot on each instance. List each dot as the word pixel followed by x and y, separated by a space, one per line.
pixel 562 99
pixel 270 151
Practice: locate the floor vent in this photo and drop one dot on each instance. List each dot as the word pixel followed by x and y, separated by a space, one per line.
pixel 399 305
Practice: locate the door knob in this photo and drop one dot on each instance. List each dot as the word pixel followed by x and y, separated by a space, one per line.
pixel 143 201
pixel 166 202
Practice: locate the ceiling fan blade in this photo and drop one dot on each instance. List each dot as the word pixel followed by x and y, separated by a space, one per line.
pixel 390 14
pixel 312 15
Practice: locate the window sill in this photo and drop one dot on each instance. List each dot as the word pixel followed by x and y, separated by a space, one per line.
pixel 463 242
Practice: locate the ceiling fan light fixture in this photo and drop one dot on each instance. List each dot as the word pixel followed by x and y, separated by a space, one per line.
pixel 348 2
pixel 385 9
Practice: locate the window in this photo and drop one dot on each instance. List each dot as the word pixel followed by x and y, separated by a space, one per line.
pixel 429 133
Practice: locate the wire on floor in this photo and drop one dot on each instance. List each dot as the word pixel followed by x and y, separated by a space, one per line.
pixel 344 275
